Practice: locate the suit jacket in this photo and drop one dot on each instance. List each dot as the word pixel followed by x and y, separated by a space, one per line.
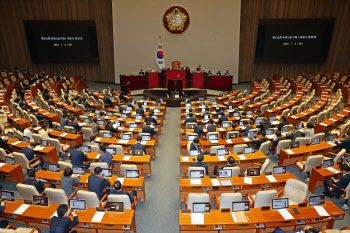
pixel 295 135
pixel 283 123
pixel 29 153
pixel 211 128
pixel 111 129
pixel 63 224
pixel 120 192
pixel 151 119
pixel 148 129
pixel 342 183
pixel 39 117
pixel 345 144
pixel 106 157
pixel 140 111
pixel 96 184
pixel 4 145
pixel 259 142
pixel 86 104
pixel 191 119
pixel 138 146
pixel 94 127
pixel 200 164
pixel 107 100
pixel 37 184
pixel 193 146
pixel 77 157
pixel 264 126
pixel 246 130
pixel 64 122
pixel 198 130
pixel 275 142
pixel 74 125
pixel 222 119
pixel 67 183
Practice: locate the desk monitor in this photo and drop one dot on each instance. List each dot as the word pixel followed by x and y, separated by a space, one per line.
pixel 294 145
pixel 156 110
pixel 196 174
pixel 126 136
pixel 201 99
pixel 249 113
pixel 107 135
pixel 240 206
pixel 230 107
pixel 213 137
pixel 225 173
pixel 190 126
pixel 285 129
pixel 217 109
pixel 316 200
pixel 10 134
pixel 133 102
pixel 206 116
pixel 273 118
pixel 249 150
pixel 112 151
pixel 145 103
pixel 152 126
pixel 188 104
pixel 300 126
pixel 191 137
pixel 129 108
pixel 132 174
pixel 201 207
pixel 123 115
pixel 146 137
pixel 137 152
pixel 52 111
pixel 223 151
pixel 44 143
pixel 116 107
pixel 347 159
pixel 101 122
pixel 86 120
pixel 315 141
pixel 194 153
pixel 214 103
pixel 117 123
pixel 328 163
pixel 241 123
pixel 258 121
pixel 86 149
pixel 333 137
pixel 133 125
pixel 79 170
pixel 187 110
pixel 106 172
pixel 97 112
pixel 40 200
pixel 202 109
pixel 269 131
pixel 226 124
pixel 235 114
pixel 7 195
pixel 115 207
pixel 253 171
pixel 10 160
pixel 54 167
pixel 138 117
pixel 26 139
pixel 279 170
pixel 281 203
pixel 233 135
pixel 252 134
pixel 76 204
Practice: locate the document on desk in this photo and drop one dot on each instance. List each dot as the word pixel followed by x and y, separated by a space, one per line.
pixel 215 182
pixel 15 143
pixel 98 216
pixel 21 209
pixel 242 157
pixel 293 117
pixel 54 214
pixel 123 141
pixel 81 124
pixel 197 218
pixel 333 170
pixel 271 178
pixel 332 119
pixel 246 139
pixel 285 214
pixel 341 115
pixel 37 128
pixel 221 158
pixel 185 159
pixel 239 216
pixel 121 179
pixel 220 129
pixel 331 143
pixel 321 211
pixel 38 148
pixel 98 139
pixel 248 180
pixel 2 164
pixel 195 181
pixel 228 141
pixel 126 158
pixel 289 151
pixel 64 134
pixel 323 124
pixel 226 183
pixel 98 156
pixel 143 142
pixel 131 130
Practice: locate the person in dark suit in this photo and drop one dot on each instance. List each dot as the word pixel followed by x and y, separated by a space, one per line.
pixel 87 90
pixel 295 134
pixel 107 99
pixel 62 223
pixel 275 142
pixel 198 129
pixel 342 183
pixel 77 157
pixel 222 118
pixel 50 102
pixel 149 129
pixel 140 110
pixel 150 118
pixel 227 72
pixel 117 189
pixel 265 124
pixel 74 123
pixel 199 68
pixel 191 118
pixel 194 144
pixel 141 72
pixel 230 163
pixel 159 100
pixel 4 144
pixel 109 127
pixel 85 103
pixel 259 114
pixel 345 143
pixel 29 153
pixel 283 123
pixel 212 126
pixel 200 163
pixel 97 183
pixel 105 157
pixel 64 121
pixel 67 181
pixel 3 223
pixel 138 146
pixel 258 143
pixel 247 127
pixel 33 180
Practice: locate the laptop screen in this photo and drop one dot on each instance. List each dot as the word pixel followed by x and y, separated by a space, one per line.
pixel 258 121
pixel 77 204
pixel 133 125
pixel 252 135
pixel 10 134
pixel 26 139
pixel 79 170
pixel 86 120
pixel 97 111
pixel 213 137
pixel 106 172
pixel 235 114
pixel 214 103
pixel 249 150
pixel 40 200
pixel 203 207
pixel 86 149
pixel 346 159
pixel 126 136
pixel 225 173
pixel 138 117
pixel 7 195
pixel 112 151
pixel 100 122
pixel 156 110
pixel 273 118
pixel 132 174
pixel 128 108
pixel 116 107
pixel 315 141
pixel 316 200
pixel 240 206
pixel 281 203
pixel 117 123
pixel 269 132
pixel 233 135
pixel 253 171
pixel 197 174
pixel 54 167
pixel 146 137
pixel 107 135
pixel 279 170
pixel 123 115
pixel 137 152
pixel 226 124
pixel 115 206
pixel 10 160
pixel 294 145
pixel 285 129
pixel 328 163
pixel 190 126
pixel 44 143
pixel 333 137
pixel 222 151
pixel 109 114
pixel 230 107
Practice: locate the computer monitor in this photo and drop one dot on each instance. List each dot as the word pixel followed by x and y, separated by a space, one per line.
pixel 281 203
pixel 226 124
pixel 333 137
pixel 201 99
pixel 145 103
pixel 10 160
pixel 132 174
pixel 285 129
pixel 126 136
pixel 191 137
pixel 300 126
pixel 316 200
pixel 112 151
pixel 279 170
pixel 146 137
pixel 249 113
pixel 225 173
pixel 123 115
pixel 190 126
pixel 269 131
pixel 223 151
pixel 40 200
pixel 273 118
pixel 77 204
pixel 97 111
pixel 156 110
pixel 240 206
pixel 86 120
pixel 54 167
pixel 129 108
pixel 294 145
pixel 109 113
pixel 116 107
pixel 7 195
pixel 201 207
pixel 117 123
pixel 45 143
pixel 107 135
pixel 101 122
pixel 252 134
pixel 258 121
pixel 78 170
pixel 202 109
pixel 213 137
pixel 214 103
pixel 10 134
pixel 235 114
pixel 138 117
pixel 196 174
pixel 86 149
pixel 137 152
pixel 315 141
pixel 230 107
pixel 194 153
pixel 255 171
pixel 249 150
pixel 26 139
pixel 115 207
pixel 217 109
pixel 106 172
pixel 233 135
pixel 328 163
pixel 206 116
pixel 133 125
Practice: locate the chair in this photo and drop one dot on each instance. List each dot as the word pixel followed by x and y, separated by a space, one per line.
pixel 27 191
pixel 264 166
pixel 195 169
pixel 119 148
pixel 95 148
pixel 56 196
pixel 320 136
pixel 312 120
pixel 3 154
pixel 19 229
pixel 68 129
pixel 57 126
pixel 261 198
pixel 125 167
pixel 302 140
pixel 342 131
pixel 225 200
pixel 345 229
pixel 311 162
pixel 24 162
pixel 91 199
pixel 234 170
pixel 239 148
pixel 295 191
pixel 64 165
pixel 214 149
pixel 338 156
pixel 282 144
pixel 213 133
pixel 59 147
pixel 37 138
pixel 196 198
pixel 87 133
pixel 122 198
pixel 94 165
pixel 264 147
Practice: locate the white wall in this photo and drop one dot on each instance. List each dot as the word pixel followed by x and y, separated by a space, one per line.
pixel 212 38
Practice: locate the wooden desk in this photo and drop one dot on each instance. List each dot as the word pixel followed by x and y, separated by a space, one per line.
pixel 46 114
pixel 278 110
pixel 248 97
pixel 35 215
pixel 12 173
pixel 256 106
pixel 332 123
pixel 68 138
pixel 17 121
pixel 319 175
pixel 225 98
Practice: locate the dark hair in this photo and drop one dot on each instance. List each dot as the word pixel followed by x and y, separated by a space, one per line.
pixel 139 104
pixel 263 133
pixel 103 148
pixel 200 158
pixel 191 114
pixel 77 146
pixel 31 172
pixel 344 167
pixel 311 230
pixel 199 123
pixel 62 210
pixel 222 113
pixel 196 140
pixel 117 185
pixel 139 138
pixel 211 121
pixel 68 171
pixel 245 122
pixel 148 122
pixel 98 170
pixel 94 119
pixel 231 160
pixel 284 118
pixel 310 125
pixel 92 138
pixel 32 144
pixel 278 134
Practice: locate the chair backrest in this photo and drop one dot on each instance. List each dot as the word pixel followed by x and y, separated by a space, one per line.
pixel 68 129
pixel 194 169
pixel 91 199
pixel 264 166
pixel 21 159
pixel 197 198
pixel 302 140
pixel 191 134
pixel 56 126
pixel 264 198
pixel 282 144
pixel 55 143
pixel 320 136
pixel 213 133
pixel 27 191
pixel 214 149
pixel 125 167
pixel 94 165
pixel 264 147
pixel 3 154
pixel 118 148
pixel 295 190
pixel 56 196
pixel 37 138
pixel 120 198
pixel 226 199
pixel 340 155
pixel 87 133
pixel 234 170
pixel 3 118
pixel 312 120
pixel 239 148
pixel 313 161
pixel 344 129
pixel 95 148
pixel 64 165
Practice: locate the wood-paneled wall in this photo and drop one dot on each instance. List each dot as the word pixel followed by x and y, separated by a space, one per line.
pixel 14 50
pixel 253 10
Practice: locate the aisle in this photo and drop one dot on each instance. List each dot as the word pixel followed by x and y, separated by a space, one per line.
pixel 161 211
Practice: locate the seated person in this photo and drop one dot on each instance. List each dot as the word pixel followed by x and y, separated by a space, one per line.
pixel 105 157
pixel 64 121
pixel 230 163
pixel 140 110
pixel 295 134
pixel 138 146
pixel 260 141
pixel 63 223
pixel 74 123
pixel 150 118
pixel 198 129
pixel 341 183
pixel 149 129
pixel 92 142
pixel 345 143
pixel 227 72
pixel 194 144
pixel 212 126
pixel 223 117
pixel 247 128
pixel 191 118
pixel 33 180
pixel 97 183
pixel 67 181
pixel 275 142
pixel 4 144
pixel 109 127
pixel 218 73
pixel 200 163
pixel 117 189
pixel 29 153
pixel 77 157
pixel 283 123
pixel 309 131
pixel 94 126
pixel 141 72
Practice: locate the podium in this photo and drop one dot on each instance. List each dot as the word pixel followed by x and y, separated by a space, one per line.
pixel 174 87
pixel 126 88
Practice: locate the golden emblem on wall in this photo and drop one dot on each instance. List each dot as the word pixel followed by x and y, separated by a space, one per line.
pixel 176 20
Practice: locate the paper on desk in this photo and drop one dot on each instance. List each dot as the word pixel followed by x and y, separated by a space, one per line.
pixel 126 158
pixel 221 158
pixel 228 141
pixel 239 216
pixel 37 128
pixel 45 113
pixel 143 142
pixel 248 180
pixel 98 156
pixel 346 110
pixel 242 157
pixel 226 183
pixel 137 120
pixel 331 143
pixel 246 139
pixel 271 178
pixel 15 143
pixel 17 119
pixel 220 129
pixel 21 209
pixel 131 130
pixel 195 181
pixel 123 141
pixel 321 211
pixel 38 148
pixel 215 182
pixel 121 179
pixel 285 214
pixel 54 214
pixel 64 134
pixel 197 218
pixel 332 119
pixel 332 170
pixel 98 216
pixel 81 124
pixel 98 139
pixel 323 124
pixel 2 164
pixel 303 113
pixel 293 116
pixel 289 151
pixel 185 159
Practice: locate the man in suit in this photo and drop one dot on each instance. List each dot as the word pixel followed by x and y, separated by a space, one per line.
pixel 222 118
pixel 105 157
pixel 198 129
pixel 141 72
pixel 87 90
pixel 4 144
pixel 29 153
pixel 94 126
pixel 200 163
pixel 51 102
pixel 67 181
pixel 64 121
pixel 342 183
pixel 74 123
pixel 265 124
pixel 212 126
pixel 107 99
pixel 194 144
pixel 199 68
pixel 100 116
pixel 159 100
pixel 227 72
pixel 85 103
pixel 218 73
pixel 275 142
pixel 77 157
pixel 38 116
pixel 117 189
pixel 247 127
pixel 109 127
pixel 33 180
pixel 230 163
pixel 260 141
pixel 150 118
pixel 149 129
pixel 62 223
pixel 3 223
pixel 295 134
pixel 283 123
pixel 138 146
pixel 97 183
pixel 345 143
pixel 140 110
pixel 191 118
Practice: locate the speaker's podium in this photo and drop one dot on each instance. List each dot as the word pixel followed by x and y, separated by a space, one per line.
pixel 174 88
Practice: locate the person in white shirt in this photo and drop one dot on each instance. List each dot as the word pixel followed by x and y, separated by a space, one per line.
pixel 309 131
pixel 44 133
pixel 28 131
